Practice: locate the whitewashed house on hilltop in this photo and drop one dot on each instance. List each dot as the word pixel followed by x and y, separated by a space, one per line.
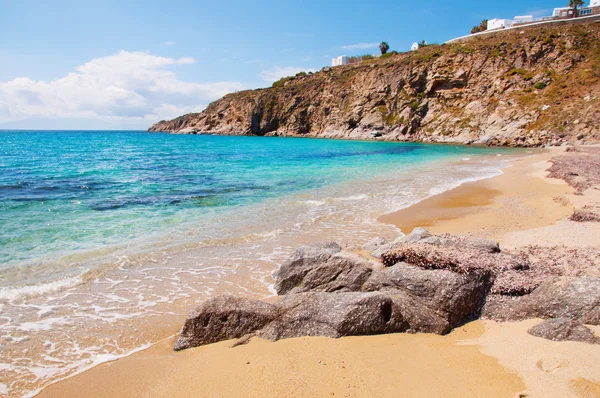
pixel 339 61
pixel 499 23
pixel 414 47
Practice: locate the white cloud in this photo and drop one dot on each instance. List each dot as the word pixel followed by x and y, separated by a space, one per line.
pixel 360 46
pixel 170 43
pixel 278 72
pixel 127 86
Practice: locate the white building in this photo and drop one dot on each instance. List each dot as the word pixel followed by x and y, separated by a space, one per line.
pixel 339 61
pixel 414 47
pixel 595 3
pixel 499 23
pixel 523 19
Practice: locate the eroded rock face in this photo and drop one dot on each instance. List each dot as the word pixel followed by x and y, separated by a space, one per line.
pixel 483 91
pixel 223 318
pixel 561 329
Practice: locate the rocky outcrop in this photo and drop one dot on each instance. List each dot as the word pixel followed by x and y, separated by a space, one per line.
pixel 561 329
pixel 529 87
pixel 425 283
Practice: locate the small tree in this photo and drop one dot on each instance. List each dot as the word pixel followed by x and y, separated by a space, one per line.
pixel 574 4
pixel 482 27
pixel 384 47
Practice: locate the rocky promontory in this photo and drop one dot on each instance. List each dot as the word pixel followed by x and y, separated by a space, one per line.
pixel 531 87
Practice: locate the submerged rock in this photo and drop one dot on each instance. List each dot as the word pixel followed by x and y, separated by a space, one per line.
pixel 561 329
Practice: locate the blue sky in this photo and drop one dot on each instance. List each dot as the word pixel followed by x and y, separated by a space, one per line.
pixel 126 64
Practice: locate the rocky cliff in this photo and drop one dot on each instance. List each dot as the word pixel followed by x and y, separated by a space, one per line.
pixel 530 87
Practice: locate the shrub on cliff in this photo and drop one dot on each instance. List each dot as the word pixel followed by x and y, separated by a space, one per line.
pixel 384 47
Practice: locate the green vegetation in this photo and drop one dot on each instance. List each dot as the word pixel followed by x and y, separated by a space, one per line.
pixel 387 55
pixel 540 86
pixel 482 27
pixel 384 47
pixel 526 75
pixel 281 82
pixel 360 58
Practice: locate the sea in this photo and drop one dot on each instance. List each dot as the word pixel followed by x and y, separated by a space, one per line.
pixel 109 238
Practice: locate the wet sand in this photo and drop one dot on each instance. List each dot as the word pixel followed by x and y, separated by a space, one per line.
pixel 481 359
pixel 519 199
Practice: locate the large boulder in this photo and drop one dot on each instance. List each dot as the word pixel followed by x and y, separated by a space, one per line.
pixel 305 258
pixel 223 318
pixel 342 272
pixel 453 297
pixel 574 298
pixel 561 329
pixel 335 315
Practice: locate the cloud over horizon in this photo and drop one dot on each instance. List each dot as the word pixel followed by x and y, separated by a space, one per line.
pixel 132 87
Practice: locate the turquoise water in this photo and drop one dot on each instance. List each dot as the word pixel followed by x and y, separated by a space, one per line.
pixel 108 239
pixel 70 191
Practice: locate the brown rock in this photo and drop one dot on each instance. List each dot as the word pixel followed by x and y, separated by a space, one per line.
pixel 561 329
pixel 224 318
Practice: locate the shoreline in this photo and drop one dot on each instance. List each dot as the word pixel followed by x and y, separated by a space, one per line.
pixel 520 198
pixel 468 209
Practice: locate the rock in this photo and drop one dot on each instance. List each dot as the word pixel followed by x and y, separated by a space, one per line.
pixel 335 315
pixel 377 253
pixel 455 298
pixel 462 259
pixel 341 272
pixel 561 329
pixel 574 298
pixel 374 244
pixel 301 262
pixel 486 245
pixel 223 318
pixel 415 236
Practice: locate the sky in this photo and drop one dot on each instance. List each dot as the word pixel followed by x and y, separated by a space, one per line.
pixel 125 64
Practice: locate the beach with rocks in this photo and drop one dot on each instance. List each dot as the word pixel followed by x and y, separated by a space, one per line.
pixel 480 303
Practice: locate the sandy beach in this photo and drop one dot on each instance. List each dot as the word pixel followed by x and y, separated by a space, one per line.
pixel 480 359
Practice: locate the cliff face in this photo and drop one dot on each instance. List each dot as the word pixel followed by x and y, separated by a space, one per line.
pixel 530 87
